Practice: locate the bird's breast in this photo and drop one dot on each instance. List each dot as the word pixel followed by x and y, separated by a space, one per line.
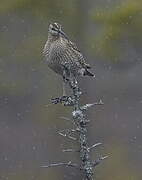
pixel 59 53
pixel 55 58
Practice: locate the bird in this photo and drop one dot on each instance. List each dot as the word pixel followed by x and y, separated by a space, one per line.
pixel 59 50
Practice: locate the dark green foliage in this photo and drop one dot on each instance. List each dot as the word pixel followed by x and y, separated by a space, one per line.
pixel 122 22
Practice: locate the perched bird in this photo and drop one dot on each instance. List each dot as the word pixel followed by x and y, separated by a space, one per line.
pixel 59 50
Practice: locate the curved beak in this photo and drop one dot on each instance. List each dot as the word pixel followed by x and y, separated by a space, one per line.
pixel 63 34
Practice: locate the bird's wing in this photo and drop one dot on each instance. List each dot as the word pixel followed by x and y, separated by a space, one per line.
pixel 73 45
pixel 80 56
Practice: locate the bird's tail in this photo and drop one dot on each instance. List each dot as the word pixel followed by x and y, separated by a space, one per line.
pixel 88 73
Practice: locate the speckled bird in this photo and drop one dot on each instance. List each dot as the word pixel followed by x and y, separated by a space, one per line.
pixel 59 50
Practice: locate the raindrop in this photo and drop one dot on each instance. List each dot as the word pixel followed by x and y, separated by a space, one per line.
pixel 18 114
pixel 34 148
pixel 135 137
pixel 61 12
pixel 22 20
pixel 109 68
pixel 5 158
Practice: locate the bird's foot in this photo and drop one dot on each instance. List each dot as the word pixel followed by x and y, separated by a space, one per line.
pixel 65 100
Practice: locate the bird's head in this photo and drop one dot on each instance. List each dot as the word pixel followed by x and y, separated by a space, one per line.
pixel 56 30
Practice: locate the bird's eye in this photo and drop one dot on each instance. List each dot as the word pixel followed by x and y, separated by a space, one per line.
pixel 53 29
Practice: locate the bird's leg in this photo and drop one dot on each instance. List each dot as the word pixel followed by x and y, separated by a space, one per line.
pixel 62 98
pixel 64 87
pixel 66 100
pixel 66 77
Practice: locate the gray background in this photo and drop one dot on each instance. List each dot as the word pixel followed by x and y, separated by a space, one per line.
pixel 111 42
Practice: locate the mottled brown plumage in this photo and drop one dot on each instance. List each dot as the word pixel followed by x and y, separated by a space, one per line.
pixel 59 50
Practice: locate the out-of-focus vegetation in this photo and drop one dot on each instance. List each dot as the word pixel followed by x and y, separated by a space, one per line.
pixel 122 22
pixel 41 9
pixel 47 11
pixel 28 122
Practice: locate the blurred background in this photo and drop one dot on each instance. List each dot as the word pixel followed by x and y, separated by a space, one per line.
pixel 108 32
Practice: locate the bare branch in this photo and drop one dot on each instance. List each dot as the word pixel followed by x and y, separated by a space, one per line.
pixel 65 118
pixel 99 103
pixel 98 161
pixel 93 146
pixel 70 150
pixel 67 164
pixel 68 136
pixel 87 106
pixel 80 121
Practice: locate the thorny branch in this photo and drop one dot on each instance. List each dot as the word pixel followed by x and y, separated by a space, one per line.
pixel 80 121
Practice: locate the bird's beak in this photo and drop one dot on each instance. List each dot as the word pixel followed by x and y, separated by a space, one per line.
pixel 63 34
